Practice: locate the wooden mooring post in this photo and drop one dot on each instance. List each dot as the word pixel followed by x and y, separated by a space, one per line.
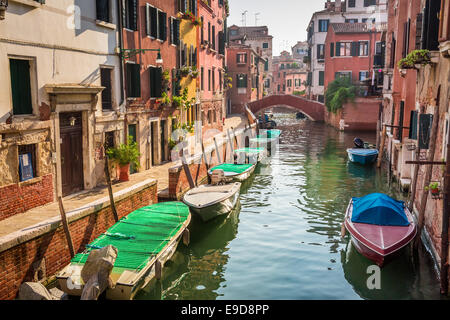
pixel 187 171
pixel 383 141
pixel 110 192
pixel 66 226
pixel 217 151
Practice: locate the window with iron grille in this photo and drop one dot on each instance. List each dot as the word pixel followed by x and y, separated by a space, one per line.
pixel 27 162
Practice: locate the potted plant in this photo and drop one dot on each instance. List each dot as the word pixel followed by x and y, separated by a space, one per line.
pixel 433 187
pixel 125 155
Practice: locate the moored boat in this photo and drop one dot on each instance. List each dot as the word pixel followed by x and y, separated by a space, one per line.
pixel 362 156
pixel 211 201
pixel 144 239
pixel 234 172
pixel 250 155
pixel 379 226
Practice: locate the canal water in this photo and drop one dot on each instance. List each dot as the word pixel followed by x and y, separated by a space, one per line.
pixel 284 241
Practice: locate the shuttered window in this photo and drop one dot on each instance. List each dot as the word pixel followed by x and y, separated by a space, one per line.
pixel 425 123
pixel 103 10
pixel 321 78
pixel 400 121
pixel 155 82
pixel 419 21
pixel 413 125
pixel 162 26
pixel 241 80
pixel 21 86
pixel 332 49
pixel 133 80
pixel 105 78
pixel 130 14
pixel 221 43
pixel 174 31
pixel 355 49
pixel 338 49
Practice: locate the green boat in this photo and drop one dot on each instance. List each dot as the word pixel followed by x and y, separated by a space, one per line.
pixel 145 238
pixel 270 136
pixel 250 155
pixel 234 172
pixel 273 133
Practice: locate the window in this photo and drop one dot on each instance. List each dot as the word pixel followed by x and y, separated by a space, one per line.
pixel 364 48
pixel 21 86
pixel 209 80
pixel 406 31
pixel 109 140
pixel 320 51
pixel 289 83
pixel 130 14
pixel 133 80
pixel 343 49
pixel 213 37
pixel 202 80
pixel 174 31
pixel 321 78
pixel 351 20
pixel 266 65
pixel 413 125
pixel 155 82
pixel 103 10
pixel 233 32
pixel 187 5
pixel 282 66
pixel 368 3
pixel 431 25
pixel 321 98
pixel 106 80
pixel 202 35
pixel 265 45
pixel 213 80
pixel 323 25
pixel 241 80
pixel 344 74
pixel 364 20
pixel 27 162
pixel 221 36
pixel 156 24
pixel 351 3
pixel 241 58
pixel 363 75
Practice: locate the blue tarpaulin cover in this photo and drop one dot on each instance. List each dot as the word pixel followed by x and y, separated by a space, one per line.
pixel 379 209
pixel 363 152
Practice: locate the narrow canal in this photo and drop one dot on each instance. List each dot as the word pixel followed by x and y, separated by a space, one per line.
pixel 284 242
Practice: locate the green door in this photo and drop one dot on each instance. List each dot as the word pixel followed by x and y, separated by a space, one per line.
pixel 132 134
pixel 21 86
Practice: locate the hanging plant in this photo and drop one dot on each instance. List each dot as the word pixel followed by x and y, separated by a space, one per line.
pixel 184 71
pixel 415 57
pixel 339 92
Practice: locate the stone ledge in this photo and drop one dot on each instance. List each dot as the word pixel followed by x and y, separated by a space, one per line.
pixel 16 238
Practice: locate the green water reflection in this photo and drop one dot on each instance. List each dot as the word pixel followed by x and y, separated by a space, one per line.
pixel 283 240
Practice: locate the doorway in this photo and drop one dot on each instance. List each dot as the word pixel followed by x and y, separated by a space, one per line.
pixel 163 140
pixel 71 134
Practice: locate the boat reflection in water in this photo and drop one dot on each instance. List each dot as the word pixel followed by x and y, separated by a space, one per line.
pixel 398 280
pixel 197 271
pixel 363 172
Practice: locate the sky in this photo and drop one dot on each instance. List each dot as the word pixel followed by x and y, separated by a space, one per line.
pixel 287 19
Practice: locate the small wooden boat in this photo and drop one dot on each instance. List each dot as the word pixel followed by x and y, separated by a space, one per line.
pixel 145 239
pixel 250 155
pixel 234 172
pixel 210 201
pixel 379 226
pixel 362 156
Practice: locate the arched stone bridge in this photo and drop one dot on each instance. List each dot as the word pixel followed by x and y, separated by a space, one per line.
pixel 313 109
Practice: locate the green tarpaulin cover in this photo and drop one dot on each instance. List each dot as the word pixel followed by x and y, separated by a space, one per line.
pixel 250 150
pixel 229 167
pixel 140 235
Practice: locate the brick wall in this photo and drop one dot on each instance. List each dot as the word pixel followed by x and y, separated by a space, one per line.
pixel 16 263
pixel 20 197
pixel 362 115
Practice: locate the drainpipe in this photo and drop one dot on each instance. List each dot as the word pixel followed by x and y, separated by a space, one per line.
pixel 445 225
pixel 119 19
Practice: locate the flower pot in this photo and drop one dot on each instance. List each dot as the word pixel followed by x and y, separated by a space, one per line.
pixel 124 172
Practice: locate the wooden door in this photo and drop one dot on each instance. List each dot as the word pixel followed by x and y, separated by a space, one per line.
pixel 71 153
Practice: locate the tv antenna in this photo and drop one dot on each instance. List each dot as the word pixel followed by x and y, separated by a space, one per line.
pixel 244 18
pixel 256 18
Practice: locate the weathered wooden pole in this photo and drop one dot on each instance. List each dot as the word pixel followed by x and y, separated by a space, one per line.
pixel 217 151
pixel 66 226
pixel 187 171
pixel 383 141
pixel 429 168
pixel 111 196
pixel 445 223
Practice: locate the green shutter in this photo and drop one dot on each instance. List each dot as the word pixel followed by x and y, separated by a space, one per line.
pixel 133 80
pixel 332 49
pixel 338 49
pixel 21 86
pixel 413 125
pixel 155 82
pixel 321 78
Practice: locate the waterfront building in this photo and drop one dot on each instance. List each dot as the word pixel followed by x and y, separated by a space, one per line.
pixel 61 99
pixel 416 100
pixel 356 11
pixel 212 34
pixel 246 69
pixel 257 37
pixel 289 74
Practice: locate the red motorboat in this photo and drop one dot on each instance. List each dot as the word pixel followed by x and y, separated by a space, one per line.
pixel 379 226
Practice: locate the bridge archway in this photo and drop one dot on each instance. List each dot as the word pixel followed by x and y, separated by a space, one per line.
pixel 313 109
